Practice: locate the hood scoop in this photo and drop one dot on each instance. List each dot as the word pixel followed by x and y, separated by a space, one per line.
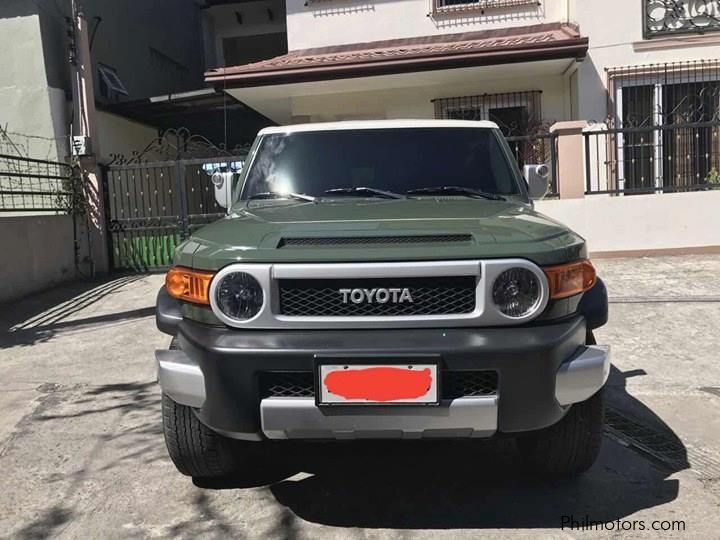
pixel 375 241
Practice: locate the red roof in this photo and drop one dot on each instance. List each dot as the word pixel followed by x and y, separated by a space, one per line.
pixel 490 47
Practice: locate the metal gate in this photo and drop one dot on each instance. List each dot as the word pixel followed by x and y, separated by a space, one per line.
pixel 153 204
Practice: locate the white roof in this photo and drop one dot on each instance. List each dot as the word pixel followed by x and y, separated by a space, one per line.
pixel 378 124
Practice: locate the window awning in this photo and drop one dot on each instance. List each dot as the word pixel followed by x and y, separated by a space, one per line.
pixel 437 52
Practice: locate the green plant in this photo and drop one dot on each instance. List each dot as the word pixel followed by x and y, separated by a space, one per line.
pixel 70 195
pixel 713 178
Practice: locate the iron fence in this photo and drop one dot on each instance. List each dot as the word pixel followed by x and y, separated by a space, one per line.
pixel 35 185
pixel 153 206
pixel 654 159
pixel 159 196
pixel 536 150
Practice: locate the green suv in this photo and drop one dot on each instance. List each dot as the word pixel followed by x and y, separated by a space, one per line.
pixel 385 279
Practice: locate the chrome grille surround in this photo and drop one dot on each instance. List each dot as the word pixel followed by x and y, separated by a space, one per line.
pixel 485 313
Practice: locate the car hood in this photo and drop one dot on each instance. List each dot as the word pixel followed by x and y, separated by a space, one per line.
pixel 257 232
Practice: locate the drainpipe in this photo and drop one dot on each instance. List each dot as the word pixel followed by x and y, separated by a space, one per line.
pixel 567 11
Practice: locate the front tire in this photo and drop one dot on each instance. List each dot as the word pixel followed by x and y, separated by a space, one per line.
pixel 569 447
pixel 195 449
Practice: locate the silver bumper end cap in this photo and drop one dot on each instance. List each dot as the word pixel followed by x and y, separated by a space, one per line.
pixel 180 378
pixel 580 378
pixel 301 418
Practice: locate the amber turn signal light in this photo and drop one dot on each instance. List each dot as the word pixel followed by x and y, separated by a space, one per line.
pixel 570 279
pixel 189 285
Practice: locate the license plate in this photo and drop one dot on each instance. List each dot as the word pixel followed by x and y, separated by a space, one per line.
pixel 379 384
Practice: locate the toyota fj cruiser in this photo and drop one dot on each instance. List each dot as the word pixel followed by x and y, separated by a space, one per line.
pixel 385 279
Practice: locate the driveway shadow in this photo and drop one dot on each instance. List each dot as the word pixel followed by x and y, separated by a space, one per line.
pixel 462 484
pixel 456 486
pixel 40 317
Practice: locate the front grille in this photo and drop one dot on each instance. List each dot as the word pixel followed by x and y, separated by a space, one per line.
pixel 454 384
pixel 287 384
pixel 457 384
pixel 430 296
pixel 324 241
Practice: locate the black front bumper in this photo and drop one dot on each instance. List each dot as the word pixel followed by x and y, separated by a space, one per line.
pixel 526 359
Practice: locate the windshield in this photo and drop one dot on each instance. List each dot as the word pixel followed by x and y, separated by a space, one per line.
pixel 394 160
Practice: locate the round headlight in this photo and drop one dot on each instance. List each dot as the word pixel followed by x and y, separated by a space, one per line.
pixel 516 292
pixel 239 296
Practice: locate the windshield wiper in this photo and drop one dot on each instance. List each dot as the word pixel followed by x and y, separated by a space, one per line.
pixel 364 192
pixel 456 190
pixel 278 195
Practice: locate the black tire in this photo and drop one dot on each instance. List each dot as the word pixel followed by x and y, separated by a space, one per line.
pixel 569 447
pixel 195 449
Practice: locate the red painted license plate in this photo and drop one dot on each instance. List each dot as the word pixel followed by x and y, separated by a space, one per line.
pixel 379 384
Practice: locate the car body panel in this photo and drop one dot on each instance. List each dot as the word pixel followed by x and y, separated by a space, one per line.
pixel 253 232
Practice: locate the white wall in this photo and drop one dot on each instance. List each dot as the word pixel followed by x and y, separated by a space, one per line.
pixel 27 105
pixel 321 23
pixel 615 28
pixel 642 222
pixel 41 254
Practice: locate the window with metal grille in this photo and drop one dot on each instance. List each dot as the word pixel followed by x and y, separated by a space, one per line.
pixel 668 122
pixel 517 113
pixel 673 17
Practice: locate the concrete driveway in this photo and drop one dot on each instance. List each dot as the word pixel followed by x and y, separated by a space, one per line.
pixel 82 453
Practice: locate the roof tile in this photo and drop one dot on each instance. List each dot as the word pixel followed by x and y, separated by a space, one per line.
pixel 434 47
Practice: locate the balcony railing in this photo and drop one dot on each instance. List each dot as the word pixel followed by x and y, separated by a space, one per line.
pixel 440 7
pixel 663 18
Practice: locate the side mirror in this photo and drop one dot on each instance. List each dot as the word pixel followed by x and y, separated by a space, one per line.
pixel 223 183
pixel 538 179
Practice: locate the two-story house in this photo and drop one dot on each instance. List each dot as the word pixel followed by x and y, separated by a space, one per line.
pixel 512 61
pixel 525 64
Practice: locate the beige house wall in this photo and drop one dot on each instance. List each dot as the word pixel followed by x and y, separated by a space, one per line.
pixel 320 24
pixel 414 99
pixel 118 135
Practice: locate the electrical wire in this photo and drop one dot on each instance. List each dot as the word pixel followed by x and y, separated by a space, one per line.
pixel 60 16
pixel 97 20
pixel 225 109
